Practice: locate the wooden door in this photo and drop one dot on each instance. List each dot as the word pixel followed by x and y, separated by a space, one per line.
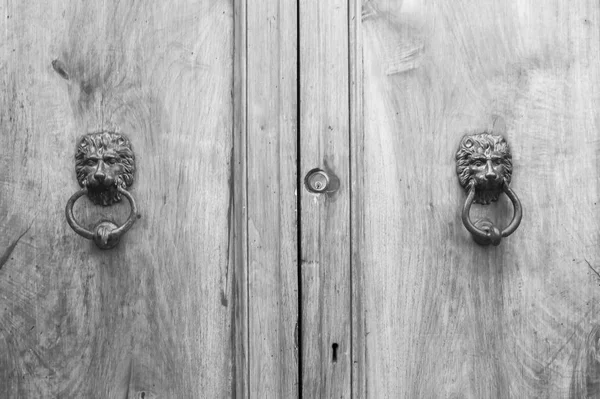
pixel 434 314
pixel 199 298
pixel 236 280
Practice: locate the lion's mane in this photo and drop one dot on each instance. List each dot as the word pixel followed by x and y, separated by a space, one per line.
pixel 480 142
pixel 98 143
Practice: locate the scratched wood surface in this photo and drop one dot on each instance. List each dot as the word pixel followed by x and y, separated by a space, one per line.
pixel 153 317
pixel 325 218
pixel 442 317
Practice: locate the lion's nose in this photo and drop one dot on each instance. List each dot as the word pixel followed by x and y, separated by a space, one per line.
pixel 489 171
pixel 99 176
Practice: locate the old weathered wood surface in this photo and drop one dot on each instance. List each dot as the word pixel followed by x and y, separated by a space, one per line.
pixel 441 316
pixel 272 266
pixel 153 317
pixel 356 142
pixel 201 297
pixel 325 218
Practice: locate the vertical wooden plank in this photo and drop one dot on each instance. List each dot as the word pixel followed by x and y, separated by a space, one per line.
pixel 152 317
pixel 443 316
pixel 271 73
pixel 325 218
pixel 240 318
pixel 357 138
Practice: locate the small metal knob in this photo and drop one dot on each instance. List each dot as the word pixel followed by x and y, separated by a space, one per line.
pixel 318 181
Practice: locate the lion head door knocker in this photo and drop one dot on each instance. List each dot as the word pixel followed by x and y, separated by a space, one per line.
pixel 484 168
pixel 104 164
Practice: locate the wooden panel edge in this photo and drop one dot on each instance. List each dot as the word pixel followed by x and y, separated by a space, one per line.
pixel 271 216
pixel 240 383
pixel 359 348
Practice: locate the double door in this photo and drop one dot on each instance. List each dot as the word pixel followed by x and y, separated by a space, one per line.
pixel 298 228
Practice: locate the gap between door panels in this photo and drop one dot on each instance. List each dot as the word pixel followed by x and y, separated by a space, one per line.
pixel 299 189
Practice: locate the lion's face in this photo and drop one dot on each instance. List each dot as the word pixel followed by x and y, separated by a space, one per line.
pixel 104 161
pixel 483 160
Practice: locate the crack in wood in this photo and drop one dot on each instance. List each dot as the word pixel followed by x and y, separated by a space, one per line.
pixel 590 266
pixel 9 250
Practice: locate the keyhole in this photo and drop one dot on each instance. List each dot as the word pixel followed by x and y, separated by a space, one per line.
pixel 334 349
pixel 316 181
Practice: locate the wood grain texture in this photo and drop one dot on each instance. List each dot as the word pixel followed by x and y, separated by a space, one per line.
pixel 356 143
pixel 444 317
pixel 272 122
pixel 153 317
pixel 240 222
pixel 325 218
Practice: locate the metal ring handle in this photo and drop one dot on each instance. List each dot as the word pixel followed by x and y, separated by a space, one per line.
pixel 493 235
pixel 106 234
